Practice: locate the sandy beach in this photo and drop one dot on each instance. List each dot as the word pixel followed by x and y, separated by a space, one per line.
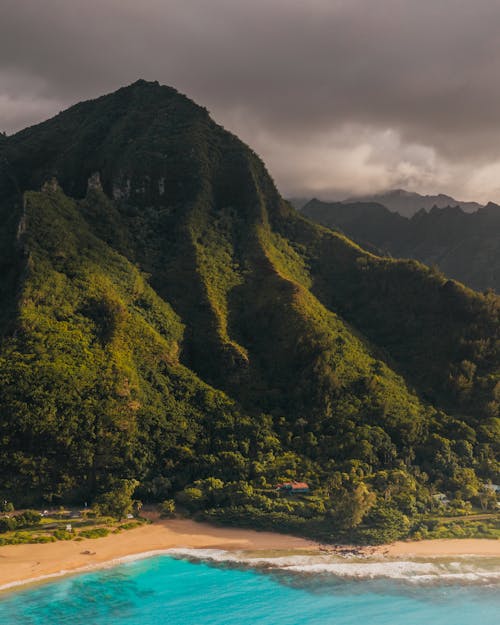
pixel 27 563
pixel 441 548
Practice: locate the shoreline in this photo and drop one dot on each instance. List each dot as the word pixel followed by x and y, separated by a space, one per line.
pixel 33 563
pixel 29 563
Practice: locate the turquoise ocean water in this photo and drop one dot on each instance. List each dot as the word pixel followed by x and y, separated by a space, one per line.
pixel 173 590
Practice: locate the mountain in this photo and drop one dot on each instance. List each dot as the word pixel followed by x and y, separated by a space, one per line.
pixel 167 317
pixel 298 202
pixel 465 246
pixel 407 203
pixel 369 223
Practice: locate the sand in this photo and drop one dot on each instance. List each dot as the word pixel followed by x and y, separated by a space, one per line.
pixel 28 563
pixel 442 548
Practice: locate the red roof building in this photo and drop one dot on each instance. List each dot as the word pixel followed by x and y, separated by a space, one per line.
pixel 293 487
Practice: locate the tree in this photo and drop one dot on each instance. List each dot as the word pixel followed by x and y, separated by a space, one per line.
pixel 355 504
pixel 487 497
pixel 118 502
pixel 192 498
pixel 384 524
pixel 167 509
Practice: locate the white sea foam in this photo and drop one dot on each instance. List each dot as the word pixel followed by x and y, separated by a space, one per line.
pixel 461 570
pixel 464 569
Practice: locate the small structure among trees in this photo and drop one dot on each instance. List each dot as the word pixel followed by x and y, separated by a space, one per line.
pixel 441 498
pixel 293 487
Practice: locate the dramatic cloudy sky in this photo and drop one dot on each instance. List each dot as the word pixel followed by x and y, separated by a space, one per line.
pixel 338 96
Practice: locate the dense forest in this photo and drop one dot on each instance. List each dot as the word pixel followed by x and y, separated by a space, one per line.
pixel 464 246
pixel 167 317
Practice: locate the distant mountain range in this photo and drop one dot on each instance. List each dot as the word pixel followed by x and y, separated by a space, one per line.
pixel 407 203
pixel 465 246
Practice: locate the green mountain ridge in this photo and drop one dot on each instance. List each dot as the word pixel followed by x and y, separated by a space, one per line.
pixel 168 317
pixel 465 246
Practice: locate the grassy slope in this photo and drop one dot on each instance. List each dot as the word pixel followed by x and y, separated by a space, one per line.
pixel 464 246
pixel 406 309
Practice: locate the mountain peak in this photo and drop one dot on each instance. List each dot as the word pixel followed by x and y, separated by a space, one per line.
pixel 398 193
pixel 135 138
pixel 491 208
pixel 142 82
pixel 153 89
pixel 407 203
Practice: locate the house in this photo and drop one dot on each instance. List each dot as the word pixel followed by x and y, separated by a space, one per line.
pixel 293 487
pixel 441 498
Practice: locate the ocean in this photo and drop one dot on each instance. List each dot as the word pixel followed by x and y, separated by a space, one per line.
pixel 210 587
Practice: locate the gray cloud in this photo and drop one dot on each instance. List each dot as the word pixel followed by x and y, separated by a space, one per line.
pixel 338 96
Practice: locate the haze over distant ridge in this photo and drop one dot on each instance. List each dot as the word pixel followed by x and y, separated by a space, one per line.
pixel 408 203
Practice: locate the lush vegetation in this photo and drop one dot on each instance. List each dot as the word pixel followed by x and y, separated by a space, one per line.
pixel 30 526
pixel 173 331
pixel 464 246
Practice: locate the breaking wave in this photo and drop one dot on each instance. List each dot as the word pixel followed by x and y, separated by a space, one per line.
pixel 460 570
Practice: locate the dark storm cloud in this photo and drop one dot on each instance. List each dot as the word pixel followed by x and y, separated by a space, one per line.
pixel 338 96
